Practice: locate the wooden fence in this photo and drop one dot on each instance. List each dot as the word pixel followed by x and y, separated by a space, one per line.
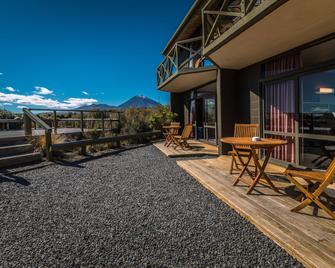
pixel 31 118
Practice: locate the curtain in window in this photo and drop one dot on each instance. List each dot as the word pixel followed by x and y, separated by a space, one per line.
pixel 282 65
pixel 279 115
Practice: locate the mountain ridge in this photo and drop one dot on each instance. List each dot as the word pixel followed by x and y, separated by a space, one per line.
pixel 134 102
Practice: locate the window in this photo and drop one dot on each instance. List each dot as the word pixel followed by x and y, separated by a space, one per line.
pixel 317 103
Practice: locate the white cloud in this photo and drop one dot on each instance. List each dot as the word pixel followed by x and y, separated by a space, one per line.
pixel 1 73
pixel 85 93
pixel 22 107
pixel 11 89
pixel 43 91
pixel 38 100
pixel 7 104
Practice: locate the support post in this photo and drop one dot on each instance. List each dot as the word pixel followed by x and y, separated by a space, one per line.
pixel 27 125
pixel 48 143
pixel 55 122
pixel 82 122
pixel 103 122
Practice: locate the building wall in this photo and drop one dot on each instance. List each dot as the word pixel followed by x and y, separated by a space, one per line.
pixel 227 110
pixel 177 106
pixel 249 94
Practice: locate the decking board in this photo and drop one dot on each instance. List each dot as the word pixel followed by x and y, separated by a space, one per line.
pixel 198 149
pixel 309 238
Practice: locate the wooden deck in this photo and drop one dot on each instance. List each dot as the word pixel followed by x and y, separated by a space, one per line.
pixel 310 239
pixel 197 149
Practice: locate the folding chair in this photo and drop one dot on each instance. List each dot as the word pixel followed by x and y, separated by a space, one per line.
pixel 242 130
pixel 317 184
pixel 181 140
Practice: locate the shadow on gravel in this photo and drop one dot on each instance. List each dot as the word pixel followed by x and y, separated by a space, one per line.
pixel 77 163
pixel 14 179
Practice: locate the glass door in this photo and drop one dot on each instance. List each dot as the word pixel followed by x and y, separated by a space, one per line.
pixel 279 117
pixel 317 119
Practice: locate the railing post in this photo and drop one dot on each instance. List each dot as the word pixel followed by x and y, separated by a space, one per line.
pixel 27 125
pixel 48 143
pixel 103 122
pixel 82 122
pixel 55 122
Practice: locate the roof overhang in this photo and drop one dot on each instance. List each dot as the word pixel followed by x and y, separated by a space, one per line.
pixel 274 27
pixel 188 79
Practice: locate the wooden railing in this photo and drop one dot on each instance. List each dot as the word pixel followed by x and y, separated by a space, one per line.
pixel 50 125
pixel 220 15
pixel 185 54
pixel 8 124
pixel 29 118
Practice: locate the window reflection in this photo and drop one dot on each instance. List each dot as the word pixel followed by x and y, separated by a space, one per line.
pixel 316 153
pixel 317 103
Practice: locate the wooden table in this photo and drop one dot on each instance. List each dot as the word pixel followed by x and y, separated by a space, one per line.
pixel 168 131
pixel 267 144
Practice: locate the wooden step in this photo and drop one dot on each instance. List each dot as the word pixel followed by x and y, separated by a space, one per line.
pixel 12 141
pixel 20 159
pixel 16 149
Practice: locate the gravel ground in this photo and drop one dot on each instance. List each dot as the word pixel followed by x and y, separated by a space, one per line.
pixel 136 208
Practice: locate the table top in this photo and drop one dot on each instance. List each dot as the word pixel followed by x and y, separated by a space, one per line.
pixel 264 142
pixel 171 127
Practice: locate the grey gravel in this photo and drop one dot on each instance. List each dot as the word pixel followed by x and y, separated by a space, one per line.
pixel 135 208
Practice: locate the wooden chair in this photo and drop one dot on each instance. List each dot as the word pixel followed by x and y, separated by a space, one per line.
pixel 317 184
pixel 242 130
pixel 181 140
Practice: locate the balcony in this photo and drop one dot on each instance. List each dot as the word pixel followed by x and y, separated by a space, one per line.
pixel 185 67
pixel 239 33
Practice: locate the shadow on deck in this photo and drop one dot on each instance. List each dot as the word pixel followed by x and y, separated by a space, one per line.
pixel 311 239
pixel 197 149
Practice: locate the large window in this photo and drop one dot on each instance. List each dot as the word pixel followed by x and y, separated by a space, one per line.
pixel 317 103
pixel 302 111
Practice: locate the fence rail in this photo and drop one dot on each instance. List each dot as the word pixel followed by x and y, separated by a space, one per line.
pixel 29 118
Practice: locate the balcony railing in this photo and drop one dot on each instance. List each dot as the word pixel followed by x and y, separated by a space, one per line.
pixel 185 55
pixel 220 15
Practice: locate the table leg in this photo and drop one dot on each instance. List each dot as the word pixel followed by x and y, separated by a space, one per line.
pixel 245 166
pixel 261 170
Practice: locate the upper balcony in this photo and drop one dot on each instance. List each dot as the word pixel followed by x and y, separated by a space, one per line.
pixel 239 33
pixel 184 67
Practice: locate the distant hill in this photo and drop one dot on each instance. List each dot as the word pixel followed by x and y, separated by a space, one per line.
pixel 139 102
pixel 96 107
pixel 134 102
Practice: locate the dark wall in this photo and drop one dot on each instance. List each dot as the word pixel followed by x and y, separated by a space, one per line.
pixel 249 94
pixel 177 106
pixel 227 108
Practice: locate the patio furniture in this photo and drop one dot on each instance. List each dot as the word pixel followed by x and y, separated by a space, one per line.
pixel 181 140
pixel 242 130
pixel 169 131
pixel 317 182
pixel 267 144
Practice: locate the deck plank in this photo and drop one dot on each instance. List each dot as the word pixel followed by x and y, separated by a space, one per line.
pixel 198 149
pixel 308 238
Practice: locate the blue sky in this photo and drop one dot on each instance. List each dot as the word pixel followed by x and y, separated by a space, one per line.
pixel 62 53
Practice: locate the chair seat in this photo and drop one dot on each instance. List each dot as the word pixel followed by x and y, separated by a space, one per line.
pixel 308 175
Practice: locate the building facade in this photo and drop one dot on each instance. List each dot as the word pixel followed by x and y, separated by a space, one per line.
pixel 270 62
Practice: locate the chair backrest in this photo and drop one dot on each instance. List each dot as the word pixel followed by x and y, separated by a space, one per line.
pixel 330 174
pixel 185 135
pixel 246 130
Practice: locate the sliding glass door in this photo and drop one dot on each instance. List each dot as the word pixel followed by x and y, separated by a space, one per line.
pixel 302 111
pixel 317 119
